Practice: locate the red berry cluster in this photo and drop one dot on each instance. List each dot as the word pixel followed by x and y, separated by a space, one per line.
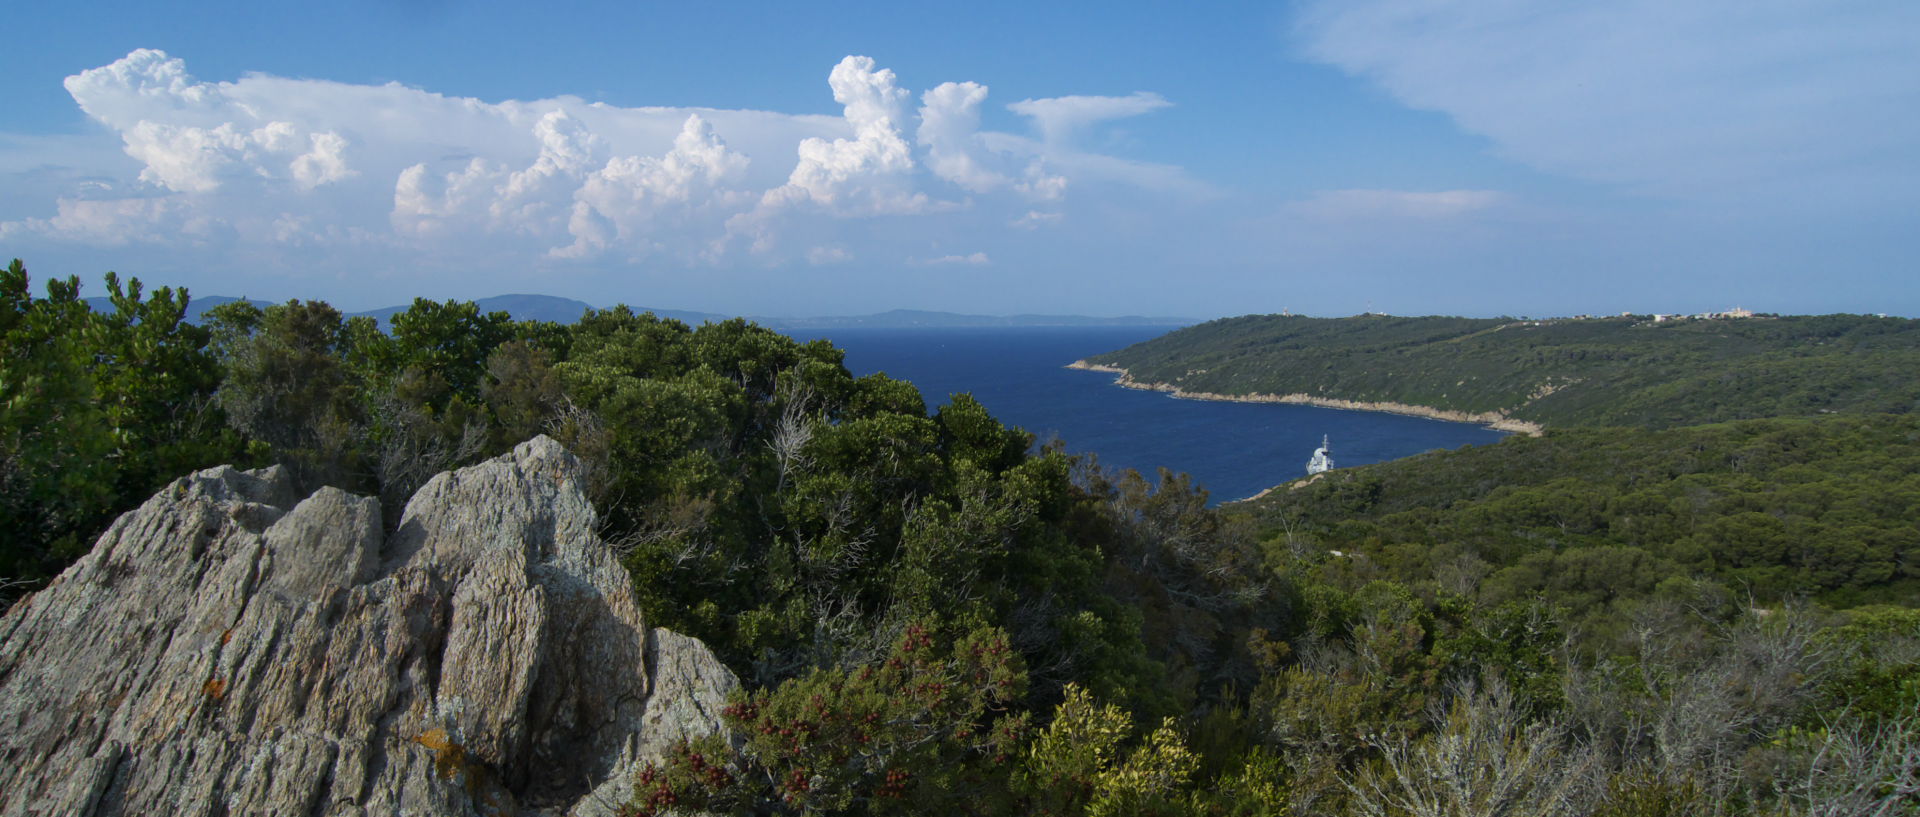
pixel 916 638
pixel 743 711
pixel 894 785
pixel 714 776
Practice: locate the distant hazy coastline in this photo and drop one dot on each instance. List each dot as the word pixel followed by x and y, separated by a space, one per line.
pixel 1494 420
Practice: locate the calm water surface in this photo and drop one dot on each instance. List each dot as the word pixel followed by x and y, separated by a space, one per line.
pixel 1233 449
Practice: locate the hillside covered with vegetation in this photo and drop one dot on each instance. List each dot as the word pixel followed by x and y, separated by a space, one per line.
pixel 1625 371
pixel 1766 509
pixel 933 615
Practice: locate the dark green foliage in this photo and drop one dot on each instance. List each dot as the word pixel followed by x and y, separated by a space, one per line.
pixel 933 729
pixel 927 729
pixel 153 377
pixel 288 387
pixel 1878 677
pixel 451 339
pixel 784 511
pixel 97 411
pixel 1625 371
pixel 1596 519
pixel 341 403
pixel 523 392
pixel 57 478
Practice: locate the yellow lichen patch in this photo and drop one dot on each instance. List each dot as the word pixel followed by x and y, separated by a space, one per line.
pixel 449 758
pixel 451 762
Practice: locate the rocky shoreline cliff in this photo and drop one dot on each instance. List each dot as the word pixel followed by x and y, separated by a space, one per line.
pixel 231 648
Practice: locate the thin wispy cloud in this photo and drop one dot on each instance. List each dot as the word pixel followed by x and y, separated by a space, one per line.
pixel 1059 119
pixel 1721 98
pixel 977 259
pixel 1370 205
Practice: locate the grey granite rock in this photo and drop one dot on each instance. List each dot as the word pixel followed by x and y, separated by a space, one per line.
pixel 224 650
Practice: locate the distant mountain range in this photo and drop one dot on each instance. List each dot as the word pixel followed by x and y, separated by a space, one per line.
pixel 195 307
pixel 521 307
pixel 568 310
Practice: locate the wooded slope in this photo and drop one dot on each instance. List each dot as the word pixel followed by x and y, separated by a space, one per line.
pixel 1772 509
pixel 1624 371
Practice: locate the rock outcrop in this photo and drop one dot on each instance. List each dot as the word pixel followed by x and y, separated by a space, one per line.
pixel 226 651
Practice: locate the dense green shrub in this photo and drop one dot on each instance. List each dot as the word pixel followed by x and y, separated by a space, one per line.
pixel 1596 519
pixel 97 411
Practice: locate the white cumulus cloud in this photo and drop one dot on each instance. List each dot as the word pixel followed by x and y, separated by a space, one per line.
pixel 625 202
pixel 323 164
pixel 949 129
pixel 865 174
pixel 424 202
pixel 279 170
pixel 115 222
pixel 193 138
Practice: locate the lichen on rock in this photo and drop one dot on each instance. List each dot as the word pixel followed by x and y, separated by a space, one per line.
pixel 226 649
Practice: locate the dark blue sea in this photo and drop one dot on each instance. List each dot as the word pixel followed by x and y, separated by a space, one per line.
pixel 1235 450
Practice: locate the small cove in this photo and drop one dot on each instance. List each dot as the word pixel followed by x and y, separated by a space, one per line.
pixel 1235 450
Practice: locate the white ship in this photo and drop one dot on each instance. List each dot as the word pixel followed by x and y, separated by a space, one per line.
pixel 1322 458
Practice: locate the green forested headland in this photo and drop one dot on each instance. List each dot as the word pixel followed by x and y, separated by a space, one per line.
pixel 1625 371
pixel 1827 508
pixel 932 615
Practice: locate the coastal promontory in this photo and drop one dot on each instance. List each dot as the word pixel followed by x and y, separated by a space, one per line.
pixel 1523 374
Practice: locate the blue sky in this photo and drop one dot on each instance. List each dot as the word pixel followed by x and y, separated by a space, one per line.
pixel 1328 156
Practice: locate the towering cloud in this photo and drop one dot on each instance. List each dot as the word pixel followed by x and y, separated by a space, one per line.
pixel 193 138
pixel 949 125
pixel 866 173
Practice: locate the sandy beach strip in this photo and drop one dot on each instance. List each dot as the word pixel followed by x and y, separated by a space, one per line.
pixel 1491 419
